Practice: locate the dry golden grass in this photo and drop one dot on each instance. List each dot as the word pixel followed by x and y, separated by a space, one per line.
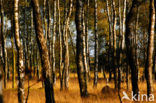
pixel 37 95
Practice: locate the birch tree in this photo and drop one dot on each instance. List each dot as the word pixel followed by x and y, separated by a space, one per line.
pixel 65 44
pixel 96 45
pixel 114 42
pixel 20 62
pixel 119 44
pixel 4 50
pixel 53 43
pixel 79 47
pixel 150 49
pixel 130 46
pixel 86 38
pixel 110 34
pixel 46 68
pixel 49 29
pixel 60 47
pixel 84 46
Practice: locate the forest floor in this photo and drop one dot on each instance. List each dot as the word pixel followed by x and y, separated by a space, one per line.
pixel 96 95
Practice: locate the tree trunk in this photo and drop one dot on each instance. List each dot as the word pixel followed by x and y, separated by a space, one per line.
pixel 46 71
pixel 86 39
pixel 119 54
pixel 4 51
pixel 60 45
pixel 20 62
pixel 66 48
pixel 84 46
pixel 136 41
pixel 53 44
pixel 124 24
pixel 79 47
pixel 96 45
pixel 130 47
pixel 150 49
pixel 66 65
pixel 110 34
pixel 25 43
pixel 114 43
pixel 49 29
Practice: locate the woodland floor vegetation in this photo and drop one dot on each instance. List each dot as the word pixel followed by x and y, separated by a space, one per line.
pixel 37 95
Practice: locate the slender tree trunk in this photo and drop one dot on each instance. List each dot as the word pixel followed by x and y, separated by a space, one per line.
pixel 66 48
pixel 66 79
pixel 120 49
pixel 60 45
pixel 28 38
pixel 66 45
pixel 96 45
pixel 63 46
pixel 49 29
pixel 86 39
pixel 25 39
pixel 114 43
pixel 20 62
pixel 4 52
pixel 53 44
pixel 123 40
pixel 46 71
pixel 49 38
pixel 110 34
pixel 150 49
pixel 84 47
pixel 124 24
pixel 5 65
pixel 79 47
